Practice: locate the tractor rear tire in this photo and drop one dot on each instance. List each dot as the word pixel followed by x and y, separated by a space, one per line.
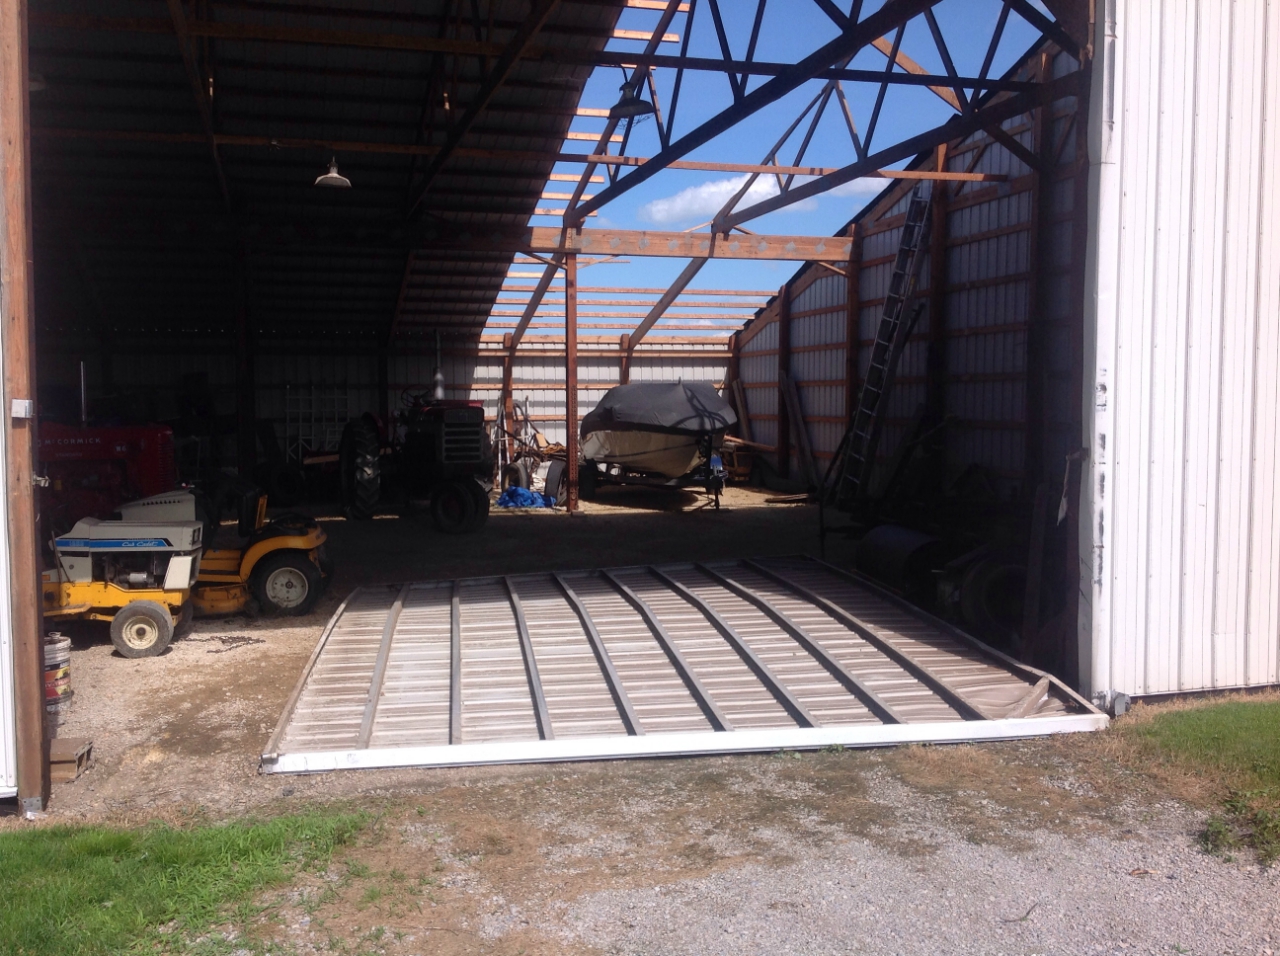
pixel 287 582
pixel 588 480
pixel 186 618
pixel 453 507
pixel 482 504
pixel 360 461
pixel 142 629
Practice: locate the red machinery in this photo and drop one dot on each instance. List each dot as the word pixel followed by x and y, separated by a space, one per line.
pixel 92 471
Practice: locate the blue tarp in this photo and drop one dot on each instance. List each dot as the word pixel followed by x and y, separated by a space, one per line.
pixel 515 497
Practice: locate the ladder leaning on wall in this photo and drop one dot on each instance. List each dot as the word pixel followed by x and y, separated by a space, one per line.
pixel 855 457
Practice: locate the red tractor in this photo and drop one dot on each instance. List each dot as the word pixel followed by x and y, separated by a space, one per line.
pixel 434 450
pixel 92 471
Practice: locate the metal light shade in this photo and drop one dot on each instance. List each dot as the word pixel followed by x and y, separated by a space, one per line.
pixel 630 105
pixel 333 177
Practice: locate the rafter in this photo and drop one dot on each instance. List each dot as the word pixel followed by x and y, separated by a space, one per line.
pixel 847 44
pixel 956 128
pixel 515 49
pixel 180 27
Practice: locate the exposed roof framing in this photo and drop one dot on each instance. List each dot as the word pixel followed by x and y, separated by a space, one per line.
pixel 449 117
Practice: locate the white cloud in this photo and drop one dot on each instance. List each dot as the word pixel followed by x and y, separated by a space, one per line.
pixel 700 203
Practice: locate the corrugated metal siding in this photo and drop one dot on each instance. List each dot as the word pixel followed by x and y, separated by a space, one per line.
pixel 289 381
pixel 1180 534
pixel 988 303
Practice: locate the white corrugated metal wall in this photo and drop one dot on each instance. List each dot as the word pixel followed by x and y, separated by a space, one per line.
pixel 1179 527
pixel 988 304
pixel 288 380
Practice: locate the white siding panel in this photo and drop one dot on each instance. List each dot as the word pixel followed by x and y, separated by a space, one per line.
pixel 1180 532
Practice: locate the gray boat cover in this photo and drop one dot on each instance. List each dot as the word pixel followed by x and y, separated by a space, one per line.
pixel 673 407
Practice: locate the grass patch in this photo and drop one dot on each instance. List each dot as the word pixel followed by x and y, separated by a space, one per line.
pixel 82 891
pixel 1234 747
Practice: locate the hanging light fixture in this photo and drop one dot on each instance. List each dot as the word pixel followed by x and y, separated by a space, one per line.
pixel 630 105
pixel 333 178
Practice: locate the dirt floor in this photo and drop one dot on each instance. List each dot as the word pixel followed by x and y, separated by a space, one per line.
pixel 1052 846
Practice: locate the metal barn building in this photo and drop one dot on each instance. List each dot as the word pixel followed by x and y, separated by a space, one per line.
pixel 1100 331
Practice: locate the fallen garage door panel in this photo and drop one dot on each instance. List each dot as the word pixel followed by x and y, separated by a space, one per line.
pixel 779 653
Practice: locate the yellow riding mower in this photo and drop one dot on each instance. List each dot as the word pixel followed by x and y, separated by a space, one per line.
pixel 149 569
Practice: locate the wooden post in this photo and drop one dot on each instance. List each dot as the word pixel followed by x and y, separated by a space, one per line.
pixel 624 360
pixel 784 373
pixel 853 330
pixel 936 357
pixel 505 404
pixel 18 332
pixel 246 399
pixel 571 377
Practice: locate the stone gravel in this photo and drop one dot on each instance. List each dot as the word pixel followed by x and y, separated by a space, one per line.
pixel 1146 889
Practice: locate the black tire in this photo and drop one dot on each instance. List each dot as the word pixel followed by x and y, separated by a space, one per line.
pixel 453 507
pixel 186 618
pixel 482 504
pixel 286 583
pixel 142 629
pixel 588 475
pixel 515 475
pixel 360 462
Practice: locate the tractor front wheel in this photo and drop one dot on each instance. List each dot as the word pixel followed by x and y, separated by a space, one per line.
pixel 287 582
pixel 142 629
pixel 453 507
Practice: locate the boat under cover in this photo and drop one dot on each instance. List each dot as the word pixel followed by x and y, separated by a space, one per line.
pixel 665 428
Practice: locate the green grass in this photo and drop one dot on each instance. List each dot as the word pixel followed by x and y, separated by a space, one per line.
pixel 1238 743
pixel 82 891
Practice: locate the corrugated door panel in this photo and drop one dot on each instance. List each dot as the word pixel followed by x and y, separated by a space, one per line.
pixel 496 703
pixel 809 681
pixel 414 704
pixel 910 699
pixel 743 699
pixel 578 699
pixel 662 702
pixel 332 705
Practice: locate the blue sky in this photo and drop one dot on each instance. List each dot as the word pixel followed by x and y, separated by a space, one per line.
pixel 679 199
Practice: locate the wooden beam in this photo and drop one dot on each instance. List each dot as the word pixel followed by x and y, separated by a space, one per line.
pixel 505 155
pixel 853 315
pixel 686 245
pixel 816 66
pixel 506 62
pixel 958 127
pixel 947 95
pixel 571 381
pixel 936 354
pixel 686 276
pixel 17 332
pixel 602 147
pixel 784 373
pixel 180 27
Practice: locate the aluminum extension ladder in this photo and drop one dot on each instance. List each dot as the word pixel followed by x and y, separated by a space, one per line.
pixel 855 465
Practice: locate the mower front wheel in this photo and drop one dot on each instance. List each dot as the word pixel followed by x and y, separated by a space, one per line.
pixel 142 629
pixel 286 583
pixel 453 508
